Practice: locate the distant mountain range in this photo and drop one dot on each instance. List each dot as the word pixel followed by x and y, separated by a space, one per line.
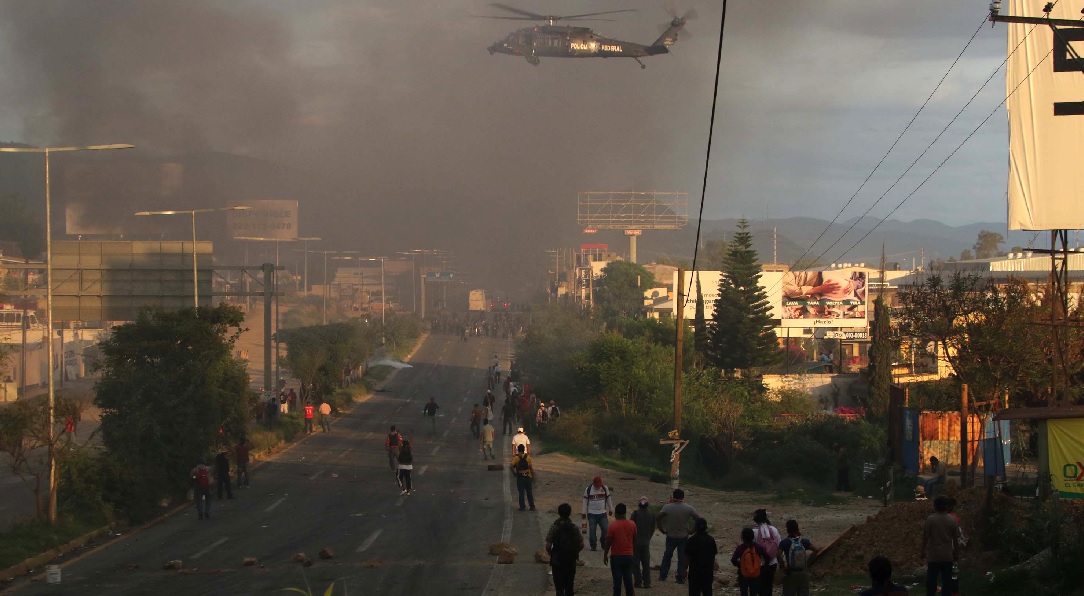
pixel 903 241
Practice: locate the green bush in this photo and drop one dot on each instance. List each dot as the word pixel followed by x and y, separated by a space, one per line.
pixel 573 430
pixel 80 490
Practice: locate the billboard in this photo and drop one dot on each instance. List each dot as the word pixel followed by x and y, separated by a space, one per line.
pixel 830 298
pixel 268 220
pixel 1065 440
pixel 709 288
pixel 1046 120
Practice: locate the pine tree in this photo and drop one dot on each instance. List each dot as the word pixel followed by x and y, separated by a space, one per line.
pixel 742 332
pixel 880 360
pixel 700 325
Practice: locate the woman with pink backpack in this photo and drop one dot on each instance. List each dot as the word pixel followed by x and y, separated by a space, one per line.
pixel 768 538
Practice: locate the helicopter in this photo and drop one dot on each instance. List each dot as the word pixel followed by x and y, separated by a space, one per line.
pixel 550 40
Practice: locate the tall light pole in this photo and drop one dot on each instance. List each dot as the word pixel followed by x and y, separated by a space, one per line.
pixel 193 212
pixel 49 296
pixel 383 296
pixel 305 278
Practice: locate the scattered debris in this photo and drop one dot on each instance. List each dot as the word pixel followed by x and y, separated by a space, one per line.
pixel 299 557
pixel 497 547
pixel 371 564
pixel 540 556
pixel 507 556
pixel 327 553
pixel 132 566
pixel 248 561
pixel 175 564
pixel 495 467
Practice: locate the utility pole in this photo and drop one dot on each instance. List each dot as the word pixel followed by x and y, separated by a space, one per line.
pixel 674 436
pixel 963 436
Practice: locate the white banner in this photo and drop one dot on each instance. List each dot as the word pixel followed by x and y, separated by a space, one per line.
pixel 1046 119
pixel 267 219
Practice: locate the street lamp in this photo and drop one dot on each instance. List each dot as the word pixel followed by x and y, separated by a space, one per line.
pixel 305 279
pixel 326 253
pixel 49 294
pixel 193 212
pixel 383 296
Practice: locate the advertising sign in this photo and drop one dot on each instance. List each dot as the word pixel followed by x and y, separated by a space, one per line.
pixel 1045 103
pixel 1065 440
pixel 850 334
pixel 268 219
pixel 709 289
pixel 830 298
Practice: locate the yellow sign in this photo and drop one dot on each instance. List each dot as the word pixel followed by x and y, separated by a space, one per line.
pixel 1065 440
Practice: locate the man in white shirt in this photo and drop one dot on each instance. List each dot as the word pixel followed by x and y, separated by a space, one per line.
pixel 520 438
pixel 597 505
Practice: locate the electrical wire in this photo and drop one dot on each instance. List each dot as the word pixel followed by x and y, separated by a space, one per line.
pixel 894 143
pixel 949 156
pixel 711 133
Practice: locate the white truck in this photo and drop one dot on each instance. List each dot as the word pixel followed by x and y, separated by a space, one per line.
pixel 478 301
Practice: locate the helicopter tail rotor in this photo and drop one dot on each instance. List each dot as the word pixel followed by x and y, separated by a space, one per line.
pixel 671 31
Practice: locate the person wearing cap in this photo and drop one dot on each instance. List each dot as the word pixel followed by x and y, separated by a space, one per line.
pixel 700 551
pixel 521 439
pixel 540 415
pixel 523 470
pixel 641 549
pixel 597 504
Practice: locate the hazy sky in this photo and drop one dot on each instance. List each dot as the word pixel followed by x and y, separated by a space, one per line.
pixel 419 136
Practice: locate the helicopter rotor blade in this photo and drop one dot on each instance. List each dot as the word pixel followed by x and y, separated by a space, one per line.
pixel 486 16
pixel 591 14
pixel 533 15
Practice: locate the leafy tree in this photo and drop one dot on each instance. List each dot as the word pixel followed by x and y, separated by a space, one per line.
pixel 549 351
pixel 742 332
pixel 714 255
pixel 25 443
pixel 723 413
pixel 880 360
pixel 632 378
pixel 169 389
pixel 965 255
pixel 318 355
pixel 619 292
pixel 986 245
pixel 19 225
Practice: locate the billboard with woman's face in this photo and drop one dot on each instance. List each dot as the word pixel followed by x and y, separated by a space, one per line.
pixel 832 298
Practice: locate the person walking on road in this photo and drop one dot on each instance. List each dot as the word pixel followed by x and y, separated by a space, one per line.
pixel 620 537
pixel 310 411
pixel 488 434
pixel 940 546
pixel 674 521
pixel 641 549
pixel 563 545
pixel 222 473
pixel 523 469
pixel 201 484
pixel 393 443
pixel 700 551
pixel 508 416
pixel 795 551
pixel 242 452
pixel 475 420
pixel 747 558
pixel 406 464
pixel 597 506
pixel 430 412
pixel 520 439
pixel 325 416
pixel 767 536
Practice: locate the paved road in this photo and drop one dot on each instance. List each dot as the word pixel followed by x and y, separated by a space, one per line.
pixel 335 490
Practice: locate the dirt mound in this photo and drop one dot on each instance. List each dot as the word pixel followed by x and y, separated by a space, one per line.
pixel 896 532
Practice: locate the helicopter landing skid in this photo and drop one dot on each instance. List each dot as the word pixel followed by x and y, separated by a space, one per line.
pixel 642 65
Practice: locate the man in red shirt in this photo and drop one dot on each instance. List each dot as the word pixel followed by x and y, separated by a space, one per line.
pixel 620 537
pixel 310 411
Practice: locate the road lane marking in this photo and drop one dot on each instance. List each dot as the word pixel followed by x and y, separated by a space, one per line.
pixel 506 532
pixel 422 471
pixel 213 545
pixel 275 504
pixel 435 450
pixel 344 453
pixel 316 475
pixel 369 541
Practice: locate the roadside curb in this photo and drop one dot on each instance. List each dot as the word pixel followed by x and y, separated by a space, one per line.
pixel 26 568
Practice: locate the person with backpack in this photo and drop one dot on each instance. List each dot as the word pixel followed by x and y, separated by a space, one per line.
pixel 673 522
pixel 392 445
pixel 475 421
pixel 641 549
pixel 747 558
pixel 767 536
pixel 487 435
pixel 700 551
pixel 201 483
pixel 553 412
pixel 880 575
pixel 795 551
pixel 523 470
pixel 430 412
pixel 597 505
pixel 563 544
pixel 405 464
pixel 222 473
pixel 620 536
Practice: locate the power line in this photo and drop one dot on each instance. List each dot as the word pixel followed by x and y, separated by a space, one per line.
pixel 711 133
pixel 894 143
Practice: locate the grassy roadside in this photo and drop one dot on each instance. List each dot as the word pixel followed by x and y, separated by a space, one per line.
pixel 31 538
